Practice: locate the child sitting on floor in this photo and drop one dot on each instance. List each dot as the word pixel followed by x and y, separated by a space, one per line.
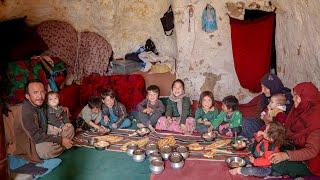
pixel 178 111
pixel 90 115
pixel 58 121
pixel 206 112
pixel 150 109
pixel 229 121
pixel 267 143
pixel 114 113
pixel 275 110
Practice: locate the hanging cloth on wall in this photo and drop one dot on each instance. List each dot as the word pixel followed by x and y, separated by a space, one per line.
pixel 208 19
pixel 252 50
pixel 167 22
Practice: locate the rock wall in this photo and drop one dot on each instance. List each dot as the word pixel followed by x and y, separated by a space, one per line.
pixel 298 41
pixel 204 60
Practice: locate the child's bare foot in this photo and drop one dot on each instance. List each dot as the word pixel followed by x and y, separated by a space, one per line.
pixel 140 125
pixel 235 171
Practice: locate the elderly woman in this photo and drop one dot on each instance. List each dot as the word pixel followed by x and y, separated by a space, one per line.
pixel 270 85
pixel 303 129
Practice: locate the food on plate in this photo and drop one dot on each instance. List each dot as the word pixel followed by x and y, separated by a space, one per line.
pixel 169 140
pixel 110 138
pixel 195 147
pixel 218 143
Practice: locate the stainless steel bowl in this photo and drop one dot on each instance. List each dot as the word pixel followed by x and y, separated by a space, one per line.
pixel 138 155
pixel 210 136
pixel 131 148
pixel 176 160
pixel 151 148
pixel 234 162
pixel 156 166
pixel 165 152
pixel 183 151
pixel 143 131
pixel 155 156
pixel 239 145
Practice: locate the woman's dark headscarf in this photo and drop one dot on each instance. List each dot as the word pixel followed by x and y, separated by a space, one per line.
pixel 272 82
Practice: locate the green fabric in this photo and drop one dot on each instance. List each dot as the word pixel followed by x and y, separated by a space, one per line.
pixel 235 121
pixel 164 100
pixel 210 116
pixel 291 168
pixel 172 109
pixel 89 164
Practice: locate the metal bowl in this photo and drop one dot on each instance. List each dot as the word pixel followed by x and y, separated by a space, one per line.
pixel 138 155
pixel 143 131
pixel 151 148
pixel 165 152
pixel 234 162
pixel 239 145
pixel 156 166
pixel 176 160
pixel 209 136
pixel 131 148
pixel 155 156
pixel 183 151
pixel 101 145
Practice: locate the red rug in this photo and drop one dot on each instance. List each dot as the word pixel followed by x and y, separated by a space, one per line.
pixel 198 170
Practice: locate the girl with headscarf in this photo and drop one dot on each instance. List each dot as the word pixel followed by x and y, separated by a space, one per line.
pixel 270 85
pixel 303 129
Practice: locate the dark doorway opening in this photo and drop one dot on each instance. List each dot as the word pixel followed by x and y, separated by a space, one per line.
pixel 256 14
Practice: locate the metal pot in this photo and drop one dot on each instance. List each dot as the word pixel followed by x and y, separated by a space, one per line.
pixel 130 148
pixel 156 166
pixel 176 160
pixel 234 162
pixel 183 151
pixel 151 148
pixel 155 156
pixel 138 155
pixel 165 152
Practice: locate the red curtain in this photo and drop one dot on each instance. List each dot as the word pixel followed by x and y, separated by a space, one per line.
pixel 251 46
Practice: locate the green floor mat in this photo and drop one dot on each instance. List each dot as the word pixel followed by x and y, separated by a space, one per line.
pixel 90 164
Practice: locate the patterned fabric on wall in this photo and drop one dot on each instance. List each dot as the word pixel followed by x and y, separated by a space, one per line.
pixel 84 53
pixel 62 40
pixel 94 54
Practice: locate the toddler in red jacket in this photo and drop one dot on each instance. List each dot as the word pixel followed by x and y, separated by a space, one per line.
pixel 267 142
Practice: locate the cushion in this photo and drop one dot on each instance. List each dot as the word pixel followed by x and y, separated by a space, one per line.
pixel 94 54
pixel 69 97
pixel 130 89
